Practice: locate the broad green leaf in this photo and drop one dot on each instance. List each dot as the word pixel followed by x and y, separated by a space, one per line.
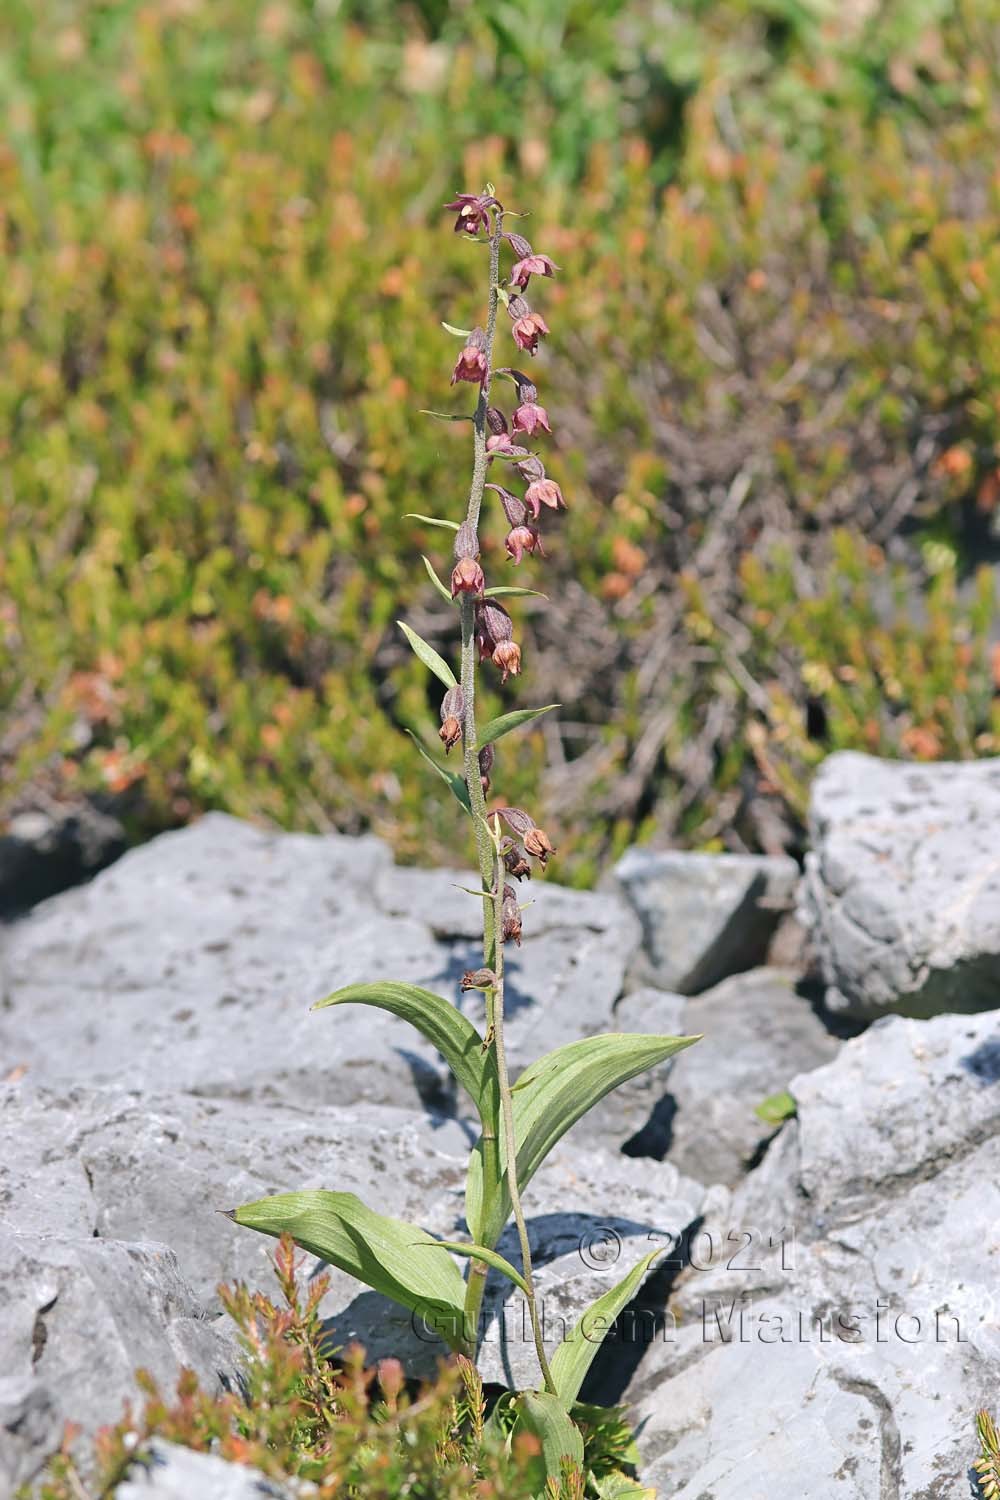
pixel 776 1108
pixel 452 780
pixel 455 1037
pixel 379 1251
pixel 432 575
pixel 518 593
pixel 411 515
pixel 552 1094
pixel 480 1252
pixel 461 333
pixel 576 1353
pixel 544 1415
pixel 429 656
pixel 506 722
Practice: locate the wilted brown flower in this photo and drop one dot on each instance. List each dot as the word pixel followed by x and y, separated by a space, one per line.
pixel 510 916
pixel 507 656
pixel 479 979
pixel 538 844
pixel 487 755
pixel 452 713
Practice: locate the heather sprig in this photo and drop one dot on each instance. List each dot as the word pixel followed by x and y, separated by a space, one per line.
pixel 519 1124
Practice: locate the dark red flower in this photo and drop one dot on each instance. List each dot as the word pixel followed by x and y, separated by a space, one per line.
pixel 528 330
pixel 531 265
pixel 467 577
pixel 530 415
pixel 544 492
pixel 522 539
pixel 472 364
pixel 472 210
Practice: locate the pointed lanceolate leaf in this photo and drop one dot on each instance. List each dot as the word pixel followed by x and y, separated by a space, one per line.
pixel 552 1094
pixel 379 1251
pixel 432 575
pixel 455 1037
pixel 411 515
pixel 480 1252
pixel 576 1353
pixel 452 780
pixel 461 333
pixel 428 655
pixel 506 722
pixel 517 593
pixel 544 1415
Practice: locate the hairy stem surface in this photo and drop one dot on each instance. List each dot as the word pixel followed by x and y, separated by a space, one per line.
pixel 476 1284
pixel 510 1138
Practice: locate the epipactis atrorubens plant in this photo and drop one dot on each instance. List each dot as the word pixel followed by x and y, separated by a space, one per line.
pixel 520 1125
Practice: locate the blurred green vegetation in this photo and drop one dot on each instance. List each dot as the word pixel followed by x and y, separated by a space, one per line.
pixel 773 379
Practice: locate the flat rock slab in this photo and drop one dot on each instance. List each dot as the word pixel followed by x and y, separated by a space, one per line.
pixel 698 1109
pixel 837 1330
pixel 704 916
pixel 901 894
pixel 174 1473
pixel 196 958
pixel 77 1317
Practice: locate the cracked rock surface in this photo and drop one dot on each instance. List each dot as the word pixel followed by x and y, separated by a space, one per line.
pixel 842 1329
pixel 901 893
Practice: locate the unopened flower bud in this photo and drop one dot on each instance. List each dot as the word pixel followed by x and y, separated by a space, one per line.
pixel 391 1378
pixel 467 577
pixel 520 246
pixel 452 712
pixel 513 508
pixel 495 420
pixel 531 265
pixel 472 364
pixel 510 917
pixel 517 308
pixel 479 979
pixel 518 821
pixel 487 755
pixel 466 542
pixel 544 492
pixel 538 844
pixel 507 656
pixel 531 468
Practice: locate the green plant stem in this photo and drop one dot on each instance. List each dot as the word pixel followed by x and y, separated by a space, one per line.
pixel 476 1284
pixel 510 1138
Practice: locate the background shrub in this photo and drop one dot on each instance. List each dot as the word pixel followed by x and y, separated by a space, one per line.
pixel 776 400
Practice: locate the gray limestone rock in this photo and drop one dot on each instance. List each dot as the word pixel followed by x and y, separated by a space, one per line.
pixel 170 1472
pixel 837 1328
pixel 196 958
pixel 901 893
pixel 704 916
pixel 77 1317
pixel 757 1033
